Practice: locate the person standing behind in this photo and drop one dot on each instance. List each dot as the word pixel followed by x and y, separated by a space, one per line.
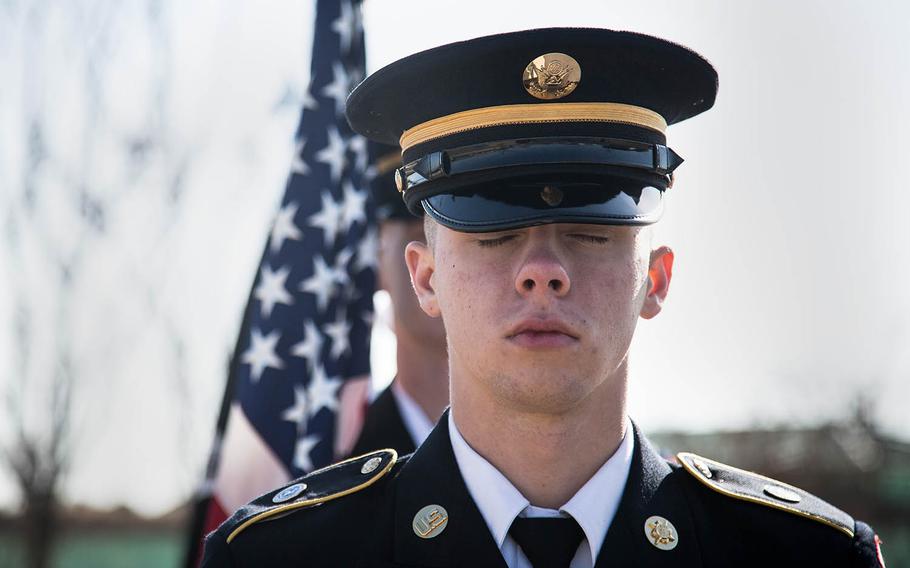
pixel 403 414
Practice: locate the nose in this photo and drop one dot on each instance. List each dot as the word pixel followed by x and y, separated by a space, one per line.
pixel 542 275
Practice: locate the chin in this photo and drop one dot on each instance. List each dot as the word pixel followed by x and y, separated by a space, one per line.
pixel 548 393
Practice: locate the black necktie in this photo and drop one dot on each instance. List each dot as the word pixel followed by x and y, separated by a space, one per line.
pixel 547 542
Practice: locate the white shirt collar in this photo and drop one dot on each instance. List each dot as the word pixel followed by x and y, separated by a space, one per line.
pixel 414 418
pixel 496 498
pixel 499 502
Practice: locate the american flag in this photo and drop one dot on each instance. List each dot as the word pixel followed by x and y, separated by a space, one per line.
pixel 299 379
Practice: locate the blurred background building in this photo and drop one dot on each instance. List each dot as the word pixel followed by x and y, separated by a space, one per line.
pixel 144 148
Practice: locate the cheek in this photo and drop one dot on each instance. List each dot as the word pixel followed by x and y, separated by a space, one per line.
pixel 634 270
pixel 617 290
pixel 467 293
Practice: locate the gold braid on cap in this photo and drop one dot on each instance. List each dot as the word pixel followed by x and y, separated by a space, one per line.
pixel 507 115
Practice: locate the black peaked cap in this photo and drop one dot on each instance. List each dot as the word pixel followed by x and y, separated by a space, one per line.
pixel 501 174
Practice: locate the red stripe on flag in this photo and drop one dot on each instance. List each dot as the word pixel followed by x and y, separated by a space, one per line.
pixel 214 516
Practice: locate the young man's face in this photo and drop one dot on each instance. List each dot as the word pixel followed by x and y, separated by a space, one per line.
pixel 540 317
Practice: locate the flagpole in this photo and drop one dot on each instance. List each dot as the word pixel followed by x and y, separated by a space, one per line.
pixel 203 497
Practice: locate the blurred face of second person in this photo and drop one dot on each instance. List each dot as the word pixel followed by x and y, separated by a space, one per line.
pixel 410 321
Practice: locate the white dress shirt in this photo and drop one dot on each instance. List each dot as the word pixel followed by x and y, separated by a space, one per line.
pixel 414 418
pixel 593 506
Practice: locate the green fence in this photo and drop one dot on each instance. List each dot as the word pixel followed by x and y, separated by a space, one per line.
pixel 103 550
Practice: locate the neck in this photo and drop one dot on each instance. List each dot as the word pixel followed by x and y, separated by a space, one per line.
pixel 590 433
pixel 423 373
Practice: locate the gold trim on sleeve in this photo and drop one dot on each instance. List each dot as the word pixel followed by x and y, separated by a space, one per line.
pixel 507 115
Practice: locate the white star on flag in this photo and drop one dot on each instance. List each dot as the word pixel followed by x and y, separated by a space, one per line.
pixel 333 153
pixel 299 165
pixel 328 218
pixel 298 412
pixel 309 101
pixel 353 208
pixel 284 227
pixel 368 250
pixel 311 345
pixel 321 283
pixel 338 331
pixel 302 452
pixel 271 289
pixel 342 278
pixel 322 392
pixel 344 25
pixel 339 88
pixel 368 319
pixel 358 145
pixel 261 353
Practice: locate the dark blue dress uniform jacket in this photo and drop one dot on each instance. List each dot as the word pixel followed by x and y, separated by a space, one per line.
pixel 370 523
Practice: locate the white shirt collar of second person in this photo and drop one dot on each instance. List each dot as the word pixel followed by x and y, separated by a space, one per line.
pixel 415 420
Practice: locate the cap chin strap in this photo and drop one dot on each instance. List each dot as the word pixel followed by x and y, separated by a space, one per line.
pixel 580 150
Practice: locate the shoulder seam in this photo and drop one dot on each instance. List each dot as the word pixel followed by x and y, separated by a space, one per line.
pixel 318 500
pixel 729 492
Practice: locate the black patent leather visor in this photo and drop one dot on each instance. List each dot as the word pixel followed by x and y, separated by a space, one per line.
pixel 515 203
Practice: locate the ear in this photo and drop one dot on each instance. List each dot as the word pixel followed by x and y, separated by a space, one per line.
pixel 660 272
pixel 422 265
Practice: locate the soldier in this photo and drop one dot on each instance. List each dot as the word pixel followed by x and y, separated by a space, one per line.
pixel 403 414
pixel 539 159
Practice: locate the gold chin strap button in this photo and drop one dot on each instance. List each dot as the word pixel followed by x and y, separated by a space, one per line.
pixel 552 196
pixel 661 533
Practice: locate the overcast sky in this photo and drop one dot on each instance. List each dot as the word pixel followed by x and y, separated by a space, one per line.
pixel 788 217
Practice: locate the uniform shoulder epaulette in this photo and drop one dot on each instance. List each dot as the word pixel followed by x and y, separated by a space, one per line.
pixel 752 487
pixel 337 480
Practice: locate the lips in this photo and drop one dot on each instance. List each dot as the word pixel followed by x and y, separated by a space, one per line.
pixel 542 334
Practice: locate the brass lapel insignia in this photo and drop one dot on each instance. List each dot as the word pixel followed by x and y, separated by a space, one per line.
pixel 551 76
pixel 661 533
pixel 430 521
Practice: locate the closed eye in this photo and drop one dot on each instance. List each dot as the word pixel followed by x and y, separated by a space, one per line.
pixel 593 239
pixel 495 242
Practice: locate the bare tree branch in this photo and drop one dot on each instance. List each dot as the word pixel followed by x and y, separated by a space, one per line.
pixel 55 182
